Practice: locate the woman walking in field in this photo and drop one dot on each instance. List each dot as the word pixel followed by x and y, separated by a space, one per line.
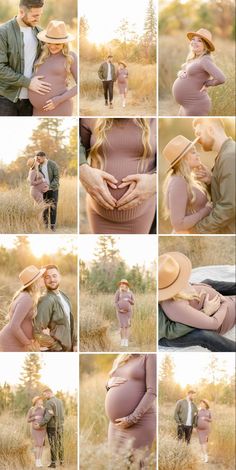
pixel 197 74
pixel 203 427
pixel 124 299
pixel 123 152
pixel 122 81
pixel 197 305
pixel 17 334
pixel 37 181
pixel 186 199
pixel 130 403
pixel 57 65
pixel 34 416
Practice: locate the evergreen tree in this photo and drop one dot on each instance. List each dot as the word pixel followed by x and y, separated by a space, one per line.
pixel 150 32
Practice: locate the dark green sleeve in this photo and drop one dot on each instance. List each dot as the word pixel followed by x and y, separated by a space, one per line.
pixel 82 155
pixel 49 414
pixel 7 74
pixel 170 329
pixel 55 181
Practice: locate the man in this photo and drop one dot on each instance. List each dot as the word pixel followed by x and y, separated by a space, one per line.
pixel 50 171
pixel 186 417
pixel 19 48
pixel 212 137
pixel 54 420
pixel 107 73
pixel 54 314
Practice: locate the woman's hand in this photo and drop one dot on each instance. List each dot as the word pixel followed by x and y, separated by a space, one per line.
pixel 49 106
pixel 204 88
pixel 122 423
pixel 116 381
pixel 96 183
pixel 211 306
pixel 142 187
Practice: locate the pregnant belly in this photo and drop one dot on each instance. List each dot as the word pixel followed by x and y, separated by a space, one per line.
pixel 124 305
pixel 187 89
pixel 58 88
pixel 122 400
pixel 120 167
pixel 202 424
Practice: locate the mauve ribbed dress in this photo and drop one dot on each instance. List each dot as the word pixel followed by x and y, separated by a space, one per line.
pixel 54 72
pixel 203 425
pixel 37 185
pixel 16 336
pixel 122 80
pixel 186 90
pixel 183 218
pixel 38 435
pixel 123 302
pixel 189 312
pixel 135 399
pixel 122 149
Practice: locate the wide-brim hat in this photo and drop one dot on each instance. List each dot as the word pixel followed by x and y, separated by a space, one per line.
pixel 203 34
pixel 30 275
pixel 124 281
pixel 122 62
pixel 174 270
pixel 35 399
pixel 55 33
pixel 30 162
pixel 204 400
pixel 177 149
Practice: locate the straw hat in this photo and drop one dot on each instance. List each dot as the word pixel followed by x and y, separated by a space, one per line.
pixel 204 34
pixel 35 399
pixel 124 281
pixel 55 33
pixel 177 148
pixel 31 162
pixel 30 275
pixel 174 272
pixel 204 400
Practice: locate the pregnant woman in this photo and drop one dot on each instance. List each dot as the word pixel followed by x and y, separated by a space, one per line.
pixel 130 402
pixel 37 182
pixel 34 416
pixel 17 335
pixel 186 200
pixel 203 427
pixel 122 81
pixel 56 65
pixel 196 305
pixel 123 300
pixel 197 74
pixel 125 150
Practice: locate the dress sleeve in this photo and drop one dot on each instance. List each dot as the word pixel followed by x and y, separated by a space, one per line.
pixel 71 92
pixel 132 298
pixel 214 71
pixel 116 299
pixel 182 312
pixel 33 180
pixel 177 203
pixel 22 308
pixel 30 416
pixel 150 395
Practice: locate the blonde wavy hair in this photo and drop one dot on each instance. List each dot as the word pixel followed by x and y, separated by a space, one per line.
pixel 34 292
pixel 120 361
pixel 182 169
pixel 192 56
pixel 46 53
pixel 186 296
pixel 97 160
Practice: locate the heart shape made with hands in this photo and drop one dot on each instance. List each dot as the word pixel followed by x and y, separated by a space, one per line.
pixel 118 192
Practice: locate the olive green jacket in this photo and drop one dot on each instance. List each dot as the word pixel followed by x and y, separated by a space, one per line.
pixel 103 69
pixel 53 173
pixel 170 329
pixel 54 414
pixel 50 314
pixel 181 412
pixel 12 77
pixel 222 217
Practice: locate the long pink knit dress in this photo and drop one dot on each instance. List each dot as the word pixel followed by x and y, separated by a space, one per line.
pixel 186 88
pixel 123 302
pixel 16 336
pixel 203 425
pixel 122 153
pixel 38 185
pixel 38 435
pixel 134 399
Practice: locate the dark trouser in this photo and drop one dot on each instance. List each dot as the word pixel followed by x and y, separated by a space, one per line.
pixel 20 108
pixel 55 439
pixel 206 338
pixel 50 197
pixel 184 432
pixel 108 90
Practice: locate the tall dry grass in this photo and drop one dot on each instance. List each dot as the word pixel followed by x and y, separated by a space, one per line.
pixel 98 321
pixel 19 213
pixel 172 53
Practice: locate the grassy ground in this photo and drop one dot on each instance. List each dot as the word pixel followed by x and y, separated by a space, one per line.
pixel 141 98
pixel 99 329
pixel 172 53
pixel 19 214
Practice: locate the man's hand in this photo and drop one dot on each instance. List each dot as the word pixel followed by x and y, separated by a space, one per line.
pixel 39 86
pixel 203 174
pixel 96 183
pixel 141 188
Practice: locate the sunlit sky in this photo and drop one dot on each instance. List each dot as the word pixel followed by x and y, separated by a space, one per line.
pixel 135 249
pixel 15 134
pixel 104 17
pixel 190 368
pixel 59 371
pixel 46 244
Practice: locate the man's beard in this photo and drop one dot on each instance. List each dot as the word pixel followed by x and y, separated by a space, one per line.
pixel 206 144
pixel 53 288
pixel 28 23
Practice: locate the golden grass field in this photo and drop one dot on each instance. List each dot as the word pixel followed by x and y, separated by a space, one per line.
pixel 141 98
pixel 93 430
pixel 16 449
pixel 173 51
pixel 175 456
pixel 99 328
pixel 19 213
